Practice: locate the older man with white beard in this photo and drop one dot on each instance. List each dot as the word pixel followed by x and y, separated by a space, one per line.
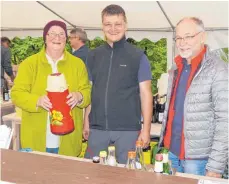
pixel 195 122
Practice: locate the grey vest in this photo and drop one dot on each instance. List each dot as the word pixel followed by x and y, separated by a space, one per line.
pixel 115 91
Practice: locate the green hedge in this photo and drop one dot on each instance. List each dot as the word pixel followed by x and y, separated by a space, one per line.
pixel 156 52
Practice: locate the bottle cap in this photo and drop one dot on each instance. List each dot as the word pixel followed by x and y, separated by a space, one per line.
pixel 111 148
pixel 131 154
pixel 159 157
pixel 139 143
pixel 103 154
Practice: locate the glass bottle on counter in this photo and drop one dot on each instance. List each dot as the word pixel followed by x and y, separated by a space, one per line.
pixel 161 107
pixel 155 114
pixel 5 93
pixel 166 165
pixel 111 160
pixel 139 156
pixel 103 157
pixel 131 163
pixel 158 167
pixel 147 155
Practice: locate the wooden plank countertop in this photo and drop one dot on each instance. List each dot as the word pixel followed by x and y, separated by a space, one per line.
pixel 25 168
pixel 12 117
pixel 5 104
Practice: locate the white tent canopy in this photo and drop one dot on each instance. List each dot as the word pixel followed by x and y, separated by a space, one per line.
pixel 149 19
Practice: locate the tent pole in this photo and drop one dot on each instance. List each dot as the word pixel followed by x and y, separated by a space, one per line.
pixel 166 16
pixel 173 29
pixel 56 13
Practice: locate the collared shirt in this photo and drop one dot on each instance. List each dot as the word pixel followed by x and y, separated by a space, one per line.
pixel 54 64
pixel 52 141
pixel 179 109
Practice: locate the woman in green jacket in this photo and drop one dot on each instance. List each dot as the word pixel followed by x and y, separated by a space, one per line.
pixel 29 93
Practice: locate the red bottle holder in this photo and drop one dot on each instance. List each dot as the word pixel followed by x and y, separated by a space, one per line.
pixel 61 121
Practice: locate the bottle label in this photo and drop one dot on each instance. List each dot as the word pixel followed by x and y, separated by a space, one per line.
pixel 160 116
pixel 158 167
pixel 9 94
pixel 138 165
pixel 165 157
pixel 111 161
pixel 6 96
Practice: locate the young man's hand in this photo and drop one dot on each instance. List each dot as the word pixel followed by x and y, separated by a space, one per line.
pixel 86 129
pixel 145 138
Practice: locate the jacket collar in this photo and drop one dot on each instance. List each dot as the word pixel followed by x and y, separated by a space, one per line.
pixel 117 44
pixel 205 53
pixel 81 48
pixel 43 57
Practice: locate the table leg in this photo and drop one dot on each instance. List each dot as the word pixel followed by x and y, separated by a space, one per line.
pixel 15 136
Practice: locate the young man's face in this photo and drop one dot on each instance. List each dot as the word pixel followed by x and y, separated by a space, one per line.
pixel 114 27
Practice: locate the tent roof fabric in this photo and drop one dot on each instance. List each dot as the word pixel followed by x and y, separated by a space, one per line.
pixel 145 18
pixel 140 15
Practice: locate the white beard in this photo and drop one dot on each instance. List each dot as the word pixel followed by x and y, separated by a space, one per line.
pixel 185 54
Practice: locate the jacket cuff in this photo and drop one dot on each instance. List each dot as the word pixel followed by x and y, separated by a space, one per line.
pixel 211 166
pixel 81 101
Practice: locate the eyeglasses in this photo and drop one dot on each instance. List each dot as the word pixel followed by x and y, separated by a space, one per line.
pixel 186 38
pixel 54 35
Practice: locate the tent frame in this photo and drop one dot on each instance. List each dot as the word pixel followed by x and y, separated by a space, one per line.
pixel 170 39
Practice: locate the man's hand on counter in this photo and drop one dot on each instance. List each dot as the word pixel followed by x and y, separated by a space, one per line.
pixel 213 174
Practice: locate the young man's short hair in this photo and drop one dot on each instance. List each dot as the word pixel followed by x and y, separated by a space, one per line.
pixel 114 10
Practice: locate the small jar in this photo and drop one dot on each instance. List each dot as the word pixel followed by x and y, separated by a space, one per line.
pixel 95 159
pixel 158 167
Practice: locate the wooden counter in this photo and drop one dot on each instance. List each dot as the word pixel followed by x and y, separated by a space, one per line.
pixel 15 124
pixel 5 104
pixel 6 108
pixel 23 168
pixel 12 117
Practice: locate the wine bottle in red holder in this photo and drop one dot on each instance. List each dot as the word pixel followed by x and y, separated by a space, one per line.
pixel 61 121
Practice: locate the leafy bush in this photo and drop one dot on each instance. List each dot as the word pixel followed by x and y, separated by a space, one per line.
pixel 225 54
pixel 23 48
pixel 155 51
